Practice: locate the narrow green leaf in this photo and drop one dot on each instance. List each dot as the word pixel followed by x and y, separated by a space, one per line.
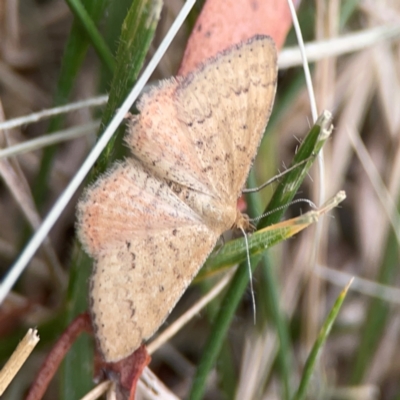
pixel 269 304
pixel 291 182
pixel 89 26
pixel 322 336
pixel 137 33
pixel 235 251
pixel 77 368
pixel 226 371
pixel 278 316
pixel 74 55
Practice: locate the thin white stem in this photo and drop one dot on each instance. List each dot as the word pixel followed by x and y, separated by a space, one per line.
pixel 306 69
pixel 350 43
pixel 388 203
pixel 47 140
pixel 253 299
pixel 97 391
pixel 188 315
pixel 313 103
pixel 360 285
pixel 35 117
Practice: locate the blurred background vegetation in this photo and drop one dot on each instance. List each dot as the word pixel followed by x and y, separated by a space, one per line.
pixel 46 59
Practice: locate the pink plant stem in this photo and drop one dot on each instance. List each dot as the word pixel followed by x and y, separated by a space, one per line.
pixel 53 360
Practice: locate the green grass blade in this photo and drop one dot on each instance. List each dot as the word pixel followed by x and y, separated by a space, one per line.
pixel 116 13
pixel 227 376
pixel 102 50
pixel 291 182
pixel 137 33
pixel 322 336
pixel 76 377
pixel 235 251
pixel 216 339
pixel 74 55
pixel 268 300
pixel 284 356
pixel 283 195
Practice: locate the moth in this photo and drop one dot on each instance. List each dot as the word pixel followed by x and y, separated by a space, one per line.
pixel 150 222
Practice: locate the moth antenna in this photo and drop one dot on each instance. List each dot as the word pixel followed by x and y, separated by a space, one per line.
pixel 253 299
pixel 309 202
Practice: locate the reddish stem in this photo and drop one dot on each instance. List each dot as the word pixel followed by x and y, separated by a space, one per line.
pixel 81 323
pixel 127 372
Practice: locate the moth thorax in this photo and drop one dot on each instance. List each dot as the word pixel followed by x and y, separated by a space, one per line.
pixel 243 223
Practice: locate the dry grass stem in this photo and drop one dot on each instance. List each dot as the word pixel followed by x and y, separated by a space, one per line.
pixel 18 358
